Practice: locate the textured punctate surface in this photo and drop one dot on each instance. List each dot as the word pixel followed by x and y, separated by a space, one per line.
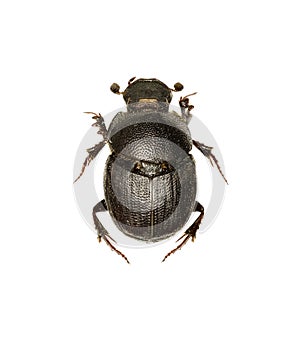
pixel 150 179
pixel 149 207
pixel 143 135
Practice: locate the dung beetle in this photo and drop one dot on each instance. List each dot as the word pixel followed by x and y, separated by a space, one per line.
pixel 150 175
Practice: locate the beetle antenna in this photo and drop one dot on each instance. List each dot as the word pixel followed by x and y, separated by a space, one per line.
pixel 115 88
pixel 177 87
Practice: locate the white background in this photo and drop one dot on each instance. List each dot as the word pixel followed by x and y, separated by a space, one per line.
pixel 238 284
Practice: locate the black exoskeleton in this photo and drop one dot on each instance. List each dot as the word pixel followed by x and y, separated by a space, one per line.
pixel 150 176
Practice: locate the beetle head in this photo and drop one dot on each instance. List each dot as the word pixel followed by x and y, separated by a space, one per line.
pixel 146 90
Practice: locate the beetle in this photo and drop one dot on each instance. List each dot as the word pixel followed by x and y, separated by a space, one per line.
pixel 150 175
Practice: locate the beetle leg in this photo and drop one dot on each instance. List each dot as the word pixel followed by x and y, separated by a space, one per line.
pixel 207 152
pixel 184 105
pixel 93 151
pixel 190 232
pixel 99 123
pixel 101 231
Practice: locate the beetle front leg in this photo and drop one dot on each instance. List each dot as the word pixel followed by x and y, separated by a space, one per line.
pixel 207 152
pixel 185 107
pixel 93 151
pixel 101 230
pixel 190 232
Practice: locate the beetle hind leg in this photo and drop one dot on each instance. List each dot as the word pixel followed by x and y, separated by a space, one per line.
pixel 190 233
pixel 101 231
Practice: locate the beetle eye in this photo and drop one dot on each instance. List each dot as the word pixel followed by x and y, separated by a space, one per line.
pixel 178 86
pixel 115 88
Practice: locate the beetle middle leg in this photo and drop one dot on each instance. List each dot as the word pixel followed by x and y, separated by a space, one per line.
pixel 101 230
pixel 207 152
pixel 190 232
pixel 93 151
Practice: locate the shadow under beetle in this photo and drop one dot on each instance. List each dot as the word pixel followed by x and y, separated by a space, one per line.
pixel 150 176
